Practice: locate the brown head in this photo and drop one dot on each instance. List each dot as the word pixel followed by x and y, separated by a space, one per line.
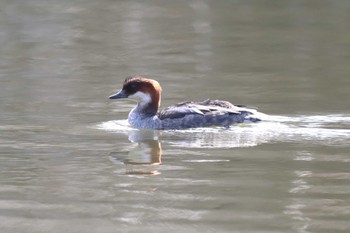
pixel 146 91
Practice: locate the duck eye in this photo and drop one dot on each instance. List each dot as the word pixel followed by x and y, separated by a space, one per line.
pixel 132 88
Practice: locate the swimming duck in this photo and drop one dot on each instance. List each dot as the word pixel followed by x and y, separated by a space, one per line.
pixel 188 114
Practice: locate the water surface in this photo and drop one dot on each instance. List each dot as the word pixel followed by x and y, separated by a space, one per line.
pixel 69 161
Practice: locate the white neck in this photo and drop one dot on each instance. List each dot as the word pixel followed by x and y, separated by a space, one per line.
pixel 144 99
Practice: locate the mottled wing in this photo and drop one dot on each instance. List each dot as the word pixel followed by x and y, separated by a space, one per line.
pixel 200 108
pixel 178 111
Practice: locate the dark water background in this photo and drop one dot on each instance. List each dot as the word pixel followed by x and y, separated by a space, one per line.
pixel 69 162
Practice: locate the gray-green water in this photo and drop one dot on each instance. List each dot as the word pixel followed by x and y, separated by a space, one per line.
pixel 69 162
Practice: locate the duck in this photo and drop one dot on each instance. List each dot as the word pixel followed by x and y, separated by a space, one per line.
pixel 188 114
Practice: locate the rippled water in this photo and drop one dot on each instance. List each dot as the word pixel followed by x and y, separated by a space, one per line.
pixel 70 162
pixel 327 130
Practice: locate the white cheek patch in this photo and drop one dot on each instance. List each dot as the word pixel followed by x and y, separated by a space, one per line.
pixel 143 98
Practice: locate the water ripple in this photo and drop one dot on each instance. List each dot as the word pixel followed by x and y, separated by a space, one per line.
pixel 326 129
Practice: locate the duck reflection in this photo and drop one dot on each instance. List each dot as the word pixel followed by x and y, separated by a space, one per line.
pixel 144 158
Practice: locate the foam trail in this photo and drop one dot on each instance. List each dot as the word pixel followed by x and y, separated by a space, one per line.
pixel 335 118
pixel 318 129
pixel 115 126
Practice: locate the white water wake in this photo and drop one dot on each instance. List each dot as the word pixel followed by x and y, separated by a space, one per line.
pixel 319 129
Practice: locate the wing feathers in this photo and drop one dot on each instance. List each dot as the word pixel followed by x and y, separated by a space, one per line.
pixel 214 107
